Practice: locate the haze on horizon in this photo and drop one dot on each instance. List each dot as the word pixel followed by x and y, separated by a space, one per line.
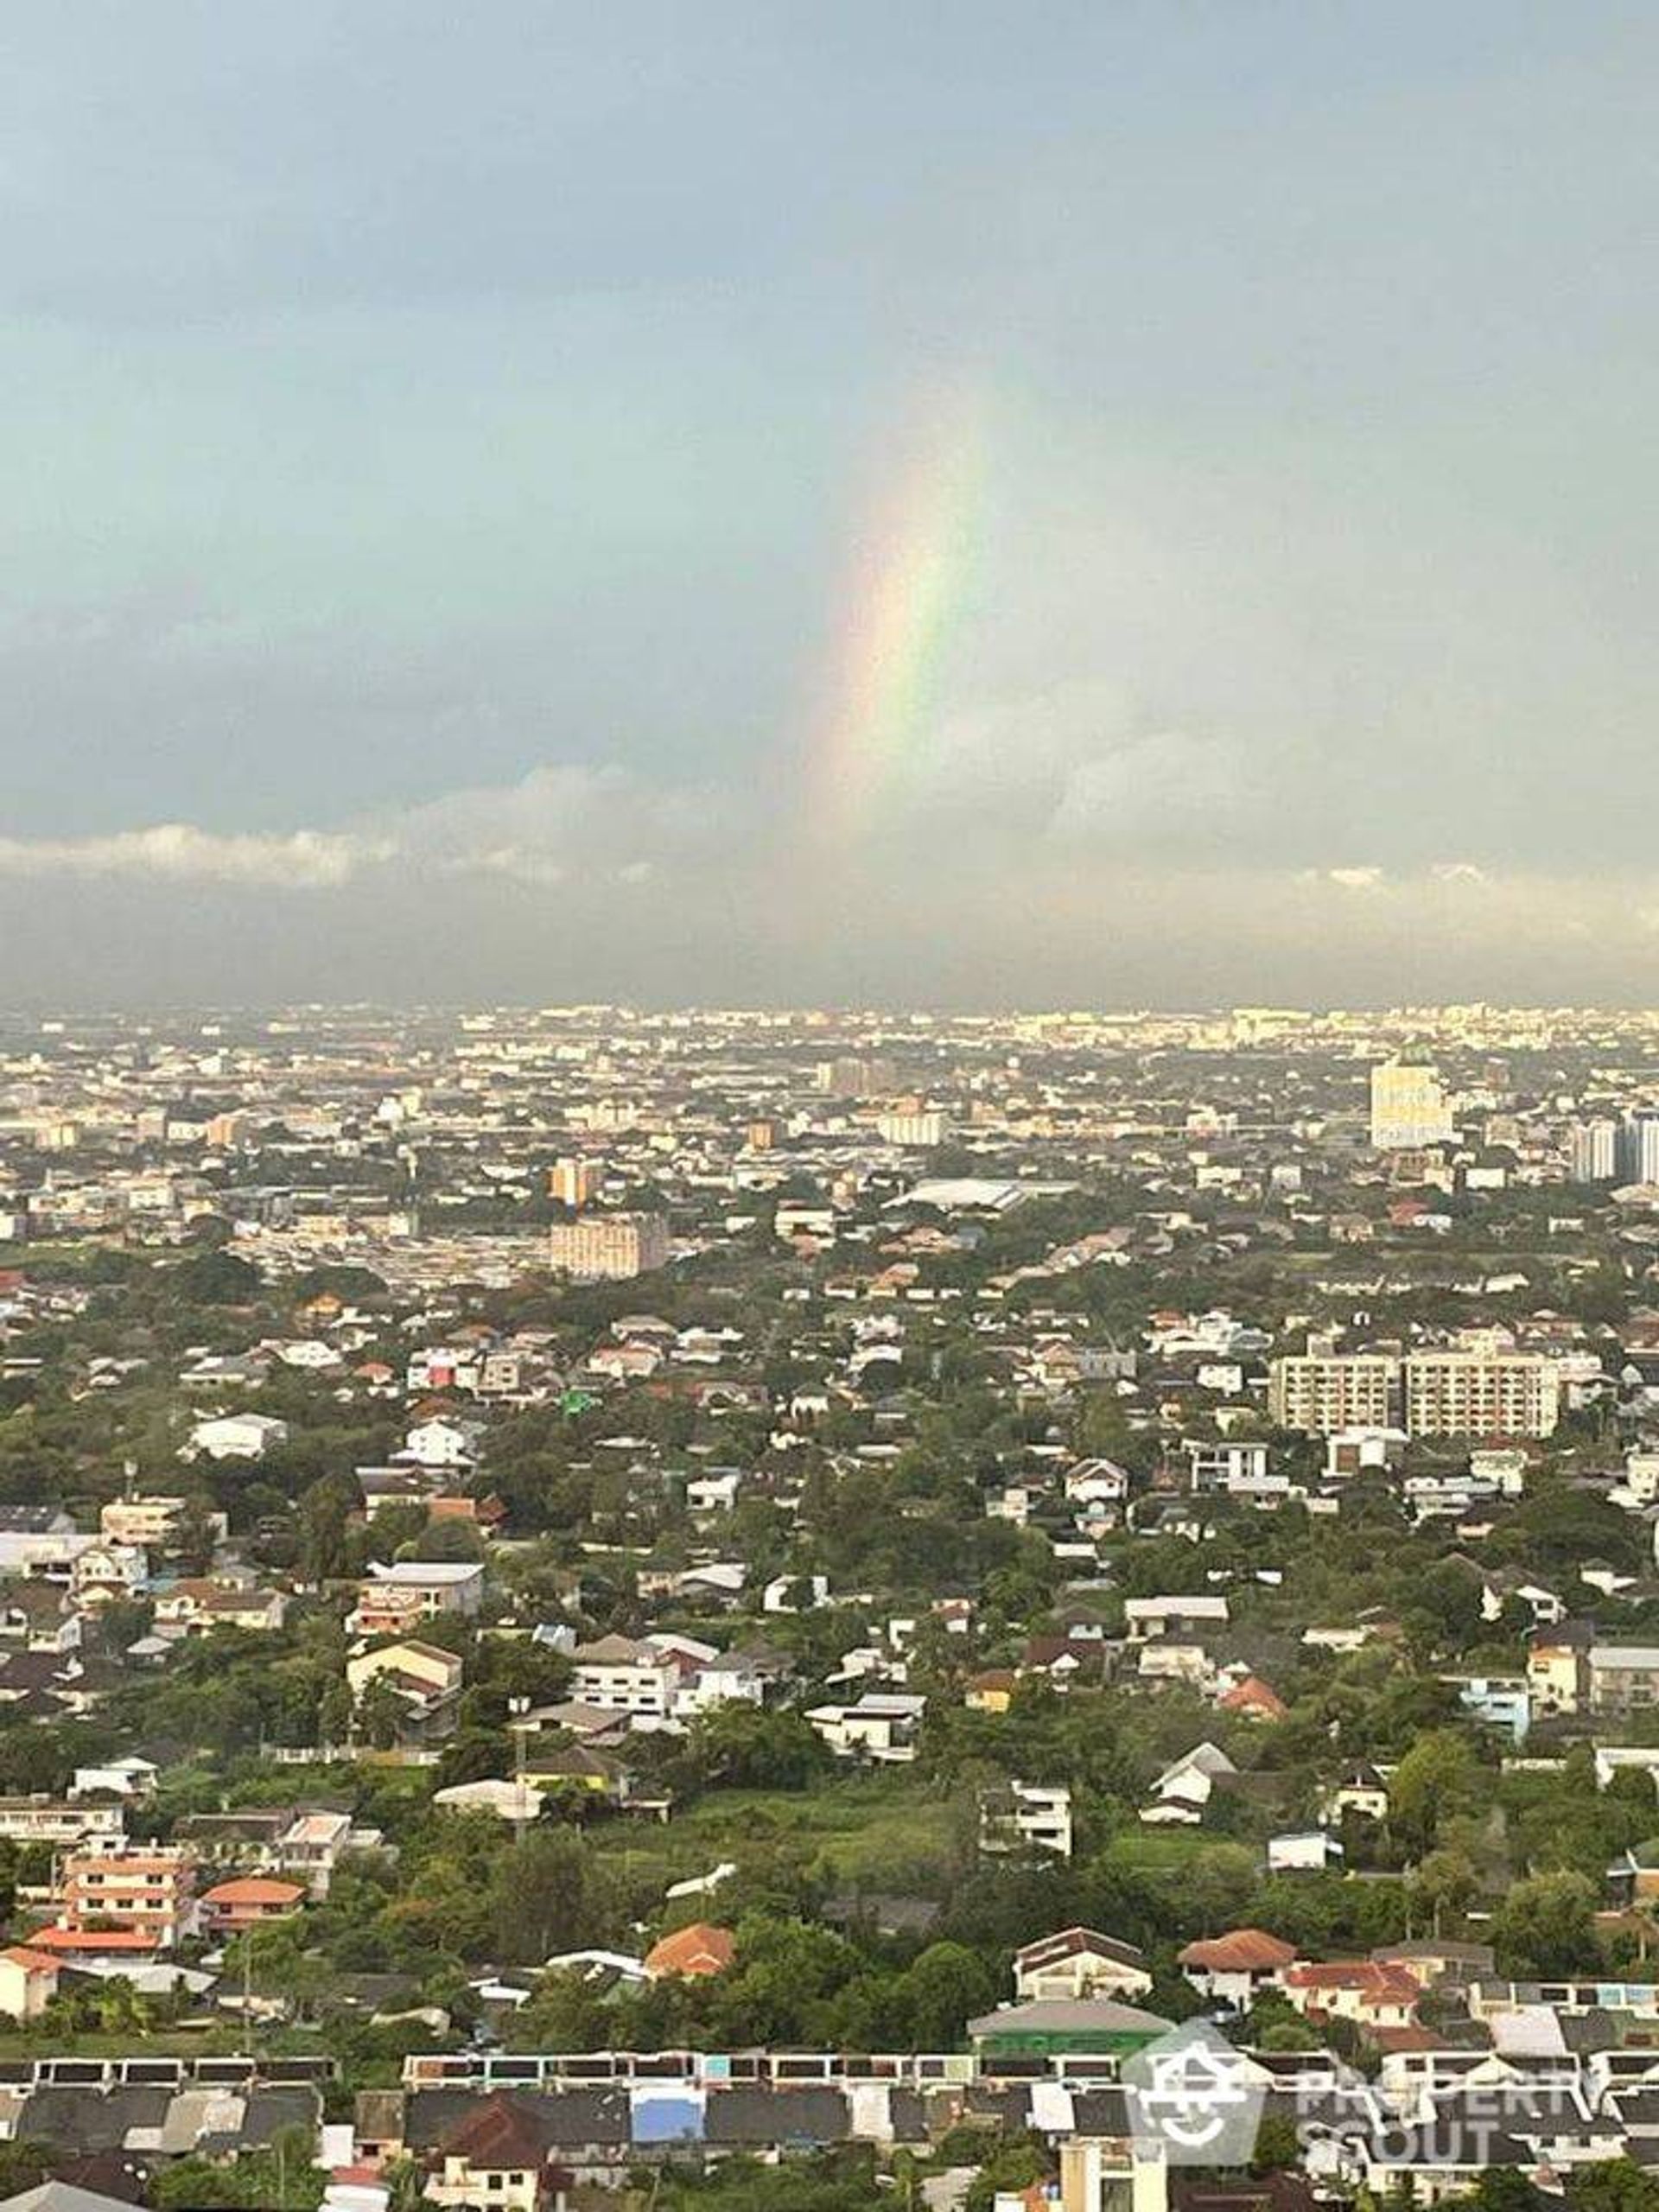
pixel 758 502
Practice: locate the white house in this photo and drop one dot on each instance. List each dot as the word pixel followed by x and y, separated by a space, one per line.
pixel 881 1727
pixel 235 1436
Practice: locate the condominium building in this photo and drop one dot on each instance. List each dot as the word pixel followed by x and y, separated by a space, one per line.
pixel 1322 1395
pixel 852 1076
pixel 925 1127
pixel 609 1247
pixel 1472 1394
pixel 1637 1149
pixel 1408 1107
pixel 574 1182
pixel 1593 1151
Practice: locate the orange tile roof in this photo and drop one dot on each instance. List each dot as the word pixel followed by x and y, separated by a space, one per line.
pixel 92 1939
pixel 1242 1950
pixel 254 1889
pixel 698 1949
pixel 31 1961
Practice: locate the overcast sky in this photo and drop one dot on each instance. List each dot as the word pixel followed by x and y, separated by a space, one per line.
pixel 451 454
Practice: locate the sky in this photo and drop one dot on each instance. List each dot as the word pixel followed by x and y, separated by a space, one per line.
pixel 908 502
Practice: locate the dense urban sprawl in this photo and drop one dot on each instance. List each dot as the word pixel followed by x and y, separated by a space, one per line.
pixel 752 1610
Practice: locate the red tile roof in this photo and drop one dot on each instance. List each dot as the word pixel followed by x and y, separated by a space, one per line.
pixel 1242 1950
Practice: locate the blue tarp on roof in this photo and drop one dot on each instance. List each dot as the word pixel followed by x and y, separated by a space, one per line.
pixel 671 2113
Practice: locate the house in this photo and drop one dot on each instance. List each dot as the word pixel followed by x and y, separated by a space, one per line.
pixel 390 1600
pixel 497 2155
pixel 1556 1669
pixel 38 1616
pixel 621 1673
pixel 516 1801
pixel 200 1605
pixel 1054 2027
pixel 691 1953
pixel 1502 1701
pixel 1163 1616
pixel 427 1668
pixel 1182 1789
pixel 1622 1678
pixel 1253 1699
pixel 881 1727
pixel 248 1900
pixel 106 1572
pixel 1362 1793
pixel 148 1893
pixel 1369 1991
pixel 1303 1851
pixel 133 1778
pixel 1019 1817
pixel 1235 1969
pixel 235 1436
pixel 51 1821
pixel 29 1982
pixel 441 1443
pixel 991 1691
pixel 1078 1962
pixel 1211 1466
pixel 425 1678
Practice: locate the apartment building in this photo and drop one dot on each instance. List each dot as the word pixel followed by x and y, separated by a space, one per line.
pixel 148 1893
pixel 573 1181
pixel 1408 1107
pixel 1472 1393
pixel 609 1247
pixel 1325 1395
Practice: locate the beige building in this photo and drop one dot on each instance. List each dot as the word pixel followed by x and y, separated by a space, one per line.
pixel 150 1892
pixel 154 1523
pixel 609 1247
pixel 1323 1396
pixel 1470 1393
pixel 572 1182
pixel 1408 1107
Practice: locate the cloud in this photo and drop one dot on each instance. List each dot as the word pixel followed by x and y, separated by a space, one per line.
pixel 557 823
pixel 1366 878
pixel 178 852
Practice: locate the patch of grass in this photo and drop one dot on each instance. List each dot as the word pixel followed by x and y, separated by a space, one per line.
pixel 851 1830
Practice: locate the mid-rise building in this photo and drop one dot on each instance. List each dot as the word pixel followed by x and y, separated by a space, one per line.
pixel 926 1127
pixel 1593 1151
pixel 1408 1107
pixel 1637 1153
pixel 1324 1395
pixel 851 1076
pixel 609 1247
pixel 1472 1394
pixel 574 1182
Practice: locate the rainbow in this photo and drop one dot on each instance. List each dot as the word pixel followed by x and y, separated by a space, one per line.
pixel 907 579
